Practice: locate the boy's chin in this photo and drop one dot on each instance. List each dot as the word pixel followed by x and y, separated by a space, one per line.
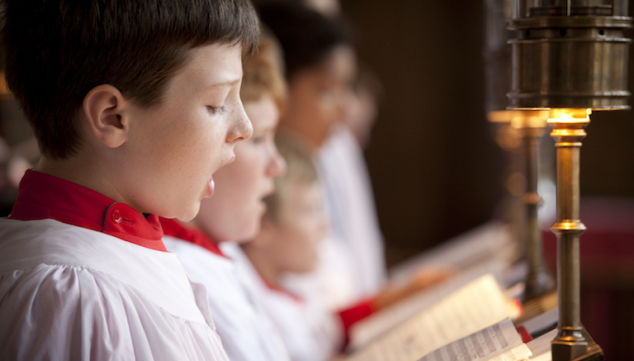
pixel 187 215
pixel 245 237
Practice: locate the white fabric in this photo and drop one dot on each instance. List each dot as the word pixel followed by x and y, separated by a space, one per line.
pixel 69 293
pixel 333 282
pixel 246 332
pixel 309 331
pixel 352 215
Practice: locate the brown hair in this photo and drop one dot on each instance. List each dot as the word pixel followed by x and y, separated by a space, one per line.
pixel 263 73
pixel 55 51
pixel 306 36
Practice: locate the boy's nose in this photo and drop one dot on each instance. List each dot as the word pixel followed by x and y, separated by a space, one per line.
pixel 242 128
pixel 277 164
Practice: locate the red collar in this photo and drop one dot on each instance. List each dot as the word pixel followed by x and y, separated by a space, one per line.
pixel 278 289
pixel 176 229
pixel 43 196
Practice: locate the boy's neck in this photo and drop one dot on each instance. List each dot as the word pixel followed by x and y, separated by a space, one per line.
pixel 262 263
pixel 82 172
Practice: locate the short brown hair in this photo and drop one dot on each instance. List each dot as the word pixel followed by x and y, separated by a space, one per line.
pixel 263 74
pixel 55 51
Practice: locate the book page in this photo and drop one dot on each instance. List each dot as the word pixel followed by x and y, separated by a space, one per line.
pixel 540 347
pixel 378 324
pixel 499 342
pixel 478 305
pixel 489 241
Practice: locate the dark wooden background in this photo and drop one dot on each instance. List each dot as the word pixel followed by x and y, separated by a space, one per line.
pixel 435 168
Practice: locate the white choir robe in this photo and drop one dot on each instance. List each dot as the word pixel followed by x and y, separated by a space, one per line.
pixel 70 293
pixel 351 207
pixel 246 331
pixel 351 259
pixel 332 282
pixel 309 331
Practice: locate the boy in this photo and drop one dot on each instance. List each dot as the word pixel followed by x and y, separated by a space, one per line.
pixel 320 66
pixel 135 105
pixel 292 229
pixel 233 215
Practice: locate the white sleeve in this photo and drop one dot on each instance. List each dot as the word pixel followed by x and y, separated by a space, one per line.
pixel 60 313
pixel 71 313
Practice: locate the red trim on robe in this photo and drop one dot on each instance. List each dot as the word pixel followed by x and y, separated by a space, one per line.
pixel 176 229
pixel 43 196
pixel 275 288
pixel 348 316
pixel 355 313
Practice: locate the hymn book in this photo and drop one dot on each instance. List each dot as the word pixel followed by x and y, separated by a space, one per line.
pixel 477 305
pixel 380 323
pixel 499 342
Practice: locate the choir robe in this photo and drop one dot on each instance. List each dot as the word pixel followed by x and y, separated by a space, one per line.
pixel 332 282
pixel 310 331
pixel 245 329
pixel 85 278
pixel 351 263
pixel 351 206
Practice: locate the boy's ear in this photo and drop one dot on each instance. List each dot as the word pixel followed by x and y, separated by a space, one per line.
pixel 103 109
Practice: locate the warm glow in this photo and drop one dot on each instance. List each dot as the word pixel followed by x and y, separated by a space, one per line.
pixel 3 85
pixel 569 115
pixel 500 116
pixel 523 119
pixel 520 119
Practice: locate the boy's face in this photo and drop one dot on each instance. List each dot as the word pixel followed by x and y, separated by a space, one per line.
pixel 234 213
pixel 176 146
pixel 301 226
pixel 317 96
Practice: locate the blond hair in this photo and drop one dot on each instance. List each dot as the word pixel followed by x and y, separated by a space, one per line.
pixel 300 170
pixel 263 73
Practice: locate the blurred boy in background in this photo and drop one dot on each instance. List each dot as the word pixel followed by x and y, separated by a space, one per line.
pixel 288 242
pixel 293 228
pixel 320 67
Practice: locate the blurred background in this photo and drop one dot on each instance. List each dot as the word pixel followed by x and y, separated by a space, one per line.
pixel 435 167
pixel 434 164
pixel 437 171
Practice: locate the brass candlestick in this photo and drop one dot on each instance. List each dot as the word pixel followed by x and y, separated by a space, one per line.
pixel 526 127
pixel 531 126
pixel 508 139
pixel 572 341
pixel 570 56
pixel 518 133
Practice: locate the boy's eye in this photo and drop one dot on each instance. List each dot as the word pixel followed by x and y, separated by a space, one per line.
pixel 215 110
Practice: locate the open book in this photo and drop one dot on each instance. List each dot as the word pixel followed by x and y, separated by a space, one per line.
pixel 477 305
pixel 540 347
pixel 380 323
pixel 499 342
